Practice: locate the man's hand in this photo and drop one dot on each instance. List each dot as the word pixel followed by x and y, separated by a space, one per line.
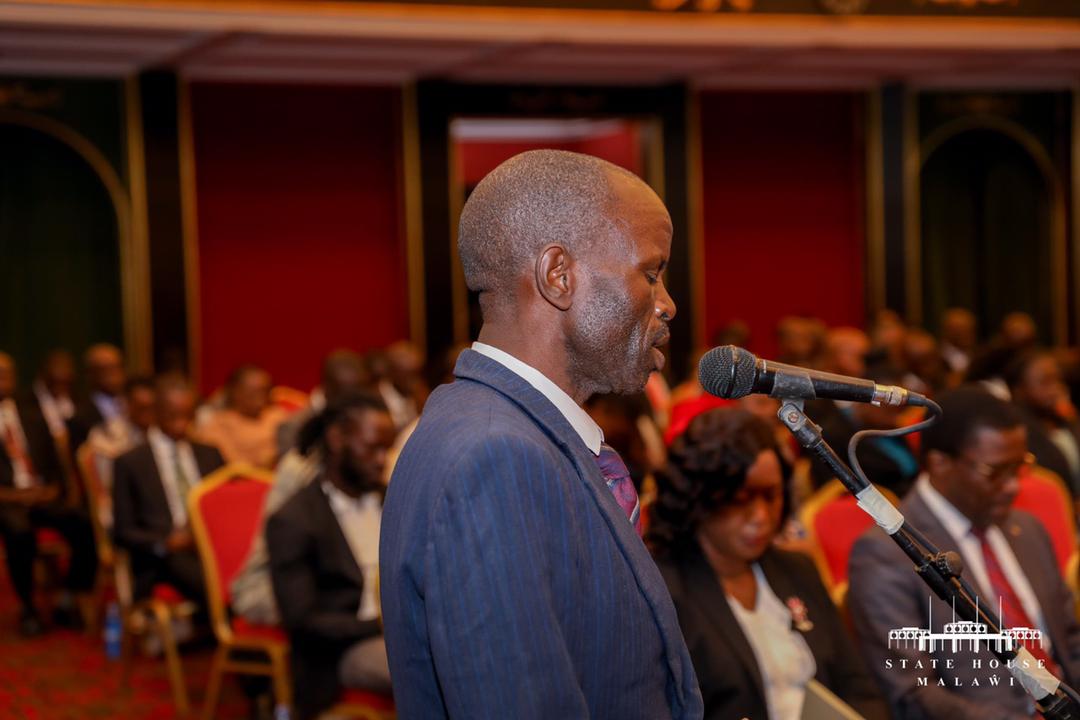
pixel 179 540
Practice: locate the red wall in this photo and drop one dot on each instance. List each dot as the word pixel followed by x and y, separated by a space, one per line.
pixel 478 158
pixel 301 250
pixel 783 210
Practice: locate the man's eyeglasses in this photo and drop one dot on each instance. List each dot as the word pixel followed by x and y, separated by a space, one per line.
pixel 1000 473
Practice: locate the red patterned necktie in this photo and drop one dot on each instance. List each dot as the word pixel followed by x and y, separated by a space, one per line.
pixel 1012 610
pixel 619 483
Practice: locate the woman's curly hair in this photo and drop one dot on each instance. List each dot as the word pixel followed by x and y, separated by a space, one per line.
pixel 706 467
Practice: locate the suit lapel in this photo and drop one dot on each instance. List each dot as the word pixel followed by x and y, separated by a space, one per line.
pixel 712 603
pixel 479 368
pixel 325 522
pixel 156 489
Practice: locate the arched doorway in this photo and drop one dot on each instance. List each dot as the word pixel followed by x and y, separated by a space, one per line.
pixel 990 237
pixel 59 249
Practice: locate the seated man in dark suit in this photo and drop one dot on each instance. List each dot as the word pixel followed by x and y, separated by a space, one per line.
pixel 150 489
pixel 1039 392
pixel 324 556
pixel 963 502
pixel 31 497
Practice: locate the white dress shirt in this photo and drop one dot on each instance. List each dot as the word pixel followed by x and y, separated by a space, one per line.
pixel 57 410
pixel 783 657
pixel 165 450
pixel 9 418
pixel 959 527
pixel 360 520
pixel 585 426
pixel 107 405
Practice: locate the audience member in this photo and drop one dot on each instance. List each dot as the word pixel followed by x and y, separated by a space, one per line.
pixel 757 620
pixel 973 458
pixel 402 386
pixel 105 377
pixel 887 461
pixel 987 369
pixel 342 371
pixel 244 430
pixel 1018 331
pixel 125 432
pixel 1037 389
pixel 887 339
pixel 115 437
pixel 926 370
pixel 53 392
pixel 799 340
pixel 324 556
pixel 735 333
pixel 844 353
pixel 150 489
pixel 32 497
pixel 959 338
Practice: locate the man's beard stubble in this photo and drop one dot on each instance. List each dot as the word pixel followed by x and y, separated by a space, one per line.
pixel 609 349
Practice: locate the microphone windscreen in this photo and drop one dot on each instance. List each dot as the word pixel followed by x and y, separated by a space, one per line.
pixel 728 372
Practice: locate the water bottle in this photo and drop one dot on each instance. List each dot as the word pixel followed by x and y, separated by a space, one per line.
pixel 113 631
pixel 281 712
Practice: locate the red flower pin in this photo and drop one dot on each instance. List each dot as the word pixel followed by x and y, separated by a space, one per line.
pixel 800 617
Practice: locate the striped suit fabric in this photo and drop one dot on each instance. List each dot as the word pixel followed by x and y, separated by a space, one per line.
pixel 512 584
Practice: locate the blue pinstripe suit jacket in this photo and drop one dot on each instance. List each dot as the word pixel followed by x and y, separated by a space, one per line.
pixel 513 586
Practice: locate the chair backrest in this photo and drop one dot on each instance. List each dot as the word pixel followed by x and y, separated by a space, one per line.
pixel 833 522
pixel 97 498
pixel 226 512
pixel 1043 494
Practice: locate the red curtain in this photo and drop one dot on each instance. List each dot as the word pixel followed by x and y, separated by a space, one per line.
pixel 301 250
pixel 783 209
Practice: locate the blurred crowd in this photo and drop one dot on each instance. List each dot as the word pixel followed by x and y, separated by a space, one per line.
pixel 108 459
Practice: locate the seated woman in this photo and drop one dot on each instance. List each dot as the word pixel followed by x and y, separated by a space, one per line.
pixel 245 429
pixel 758 621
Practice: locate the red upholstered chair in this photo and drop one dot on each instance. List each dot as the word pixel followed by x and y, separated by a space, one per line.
pixel 225 510
pixel 1043 494
pixel 363 705
pixel 833 523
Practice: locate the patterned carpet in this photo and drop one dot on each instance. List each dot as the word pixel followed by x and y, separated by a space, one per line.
pixel 65 675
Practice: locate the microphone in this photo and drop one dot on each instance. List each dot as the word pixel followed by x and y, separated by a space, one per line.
pixel 732 372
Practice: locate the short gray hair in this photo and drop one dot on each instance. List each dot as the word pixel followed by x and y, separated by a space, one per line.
pixel 532 200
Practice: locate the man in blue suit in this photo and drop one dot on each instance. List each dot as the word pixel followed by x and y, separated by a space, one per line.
pixel 514 584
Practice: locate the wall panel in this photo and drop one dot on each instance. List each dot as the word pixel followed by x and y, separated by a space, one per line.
pixel 300 244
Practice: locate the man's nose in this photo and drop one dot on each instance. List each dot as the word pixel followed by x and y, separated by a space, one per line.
pixel 665 306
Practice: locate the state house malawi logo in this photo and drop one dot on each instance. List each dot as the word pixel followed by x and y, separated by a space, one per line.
pixel 958 636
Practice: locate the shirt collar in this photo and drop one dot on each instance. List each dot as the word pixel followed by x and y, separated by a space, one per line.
pixel 956 523
pixel 585 426
pixel 341 502
pixel 160 440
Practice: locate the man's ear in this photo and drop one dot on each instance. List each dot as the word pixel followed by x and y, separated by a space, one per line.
pixel 555 276
pixel 937 462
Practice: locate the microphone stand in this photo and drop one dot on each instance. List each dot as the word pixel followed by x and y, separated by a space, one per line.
pixel 941 571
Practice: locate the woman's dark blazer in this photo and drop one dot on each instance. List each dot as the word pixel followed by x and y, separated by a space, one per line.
pixel 729 676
